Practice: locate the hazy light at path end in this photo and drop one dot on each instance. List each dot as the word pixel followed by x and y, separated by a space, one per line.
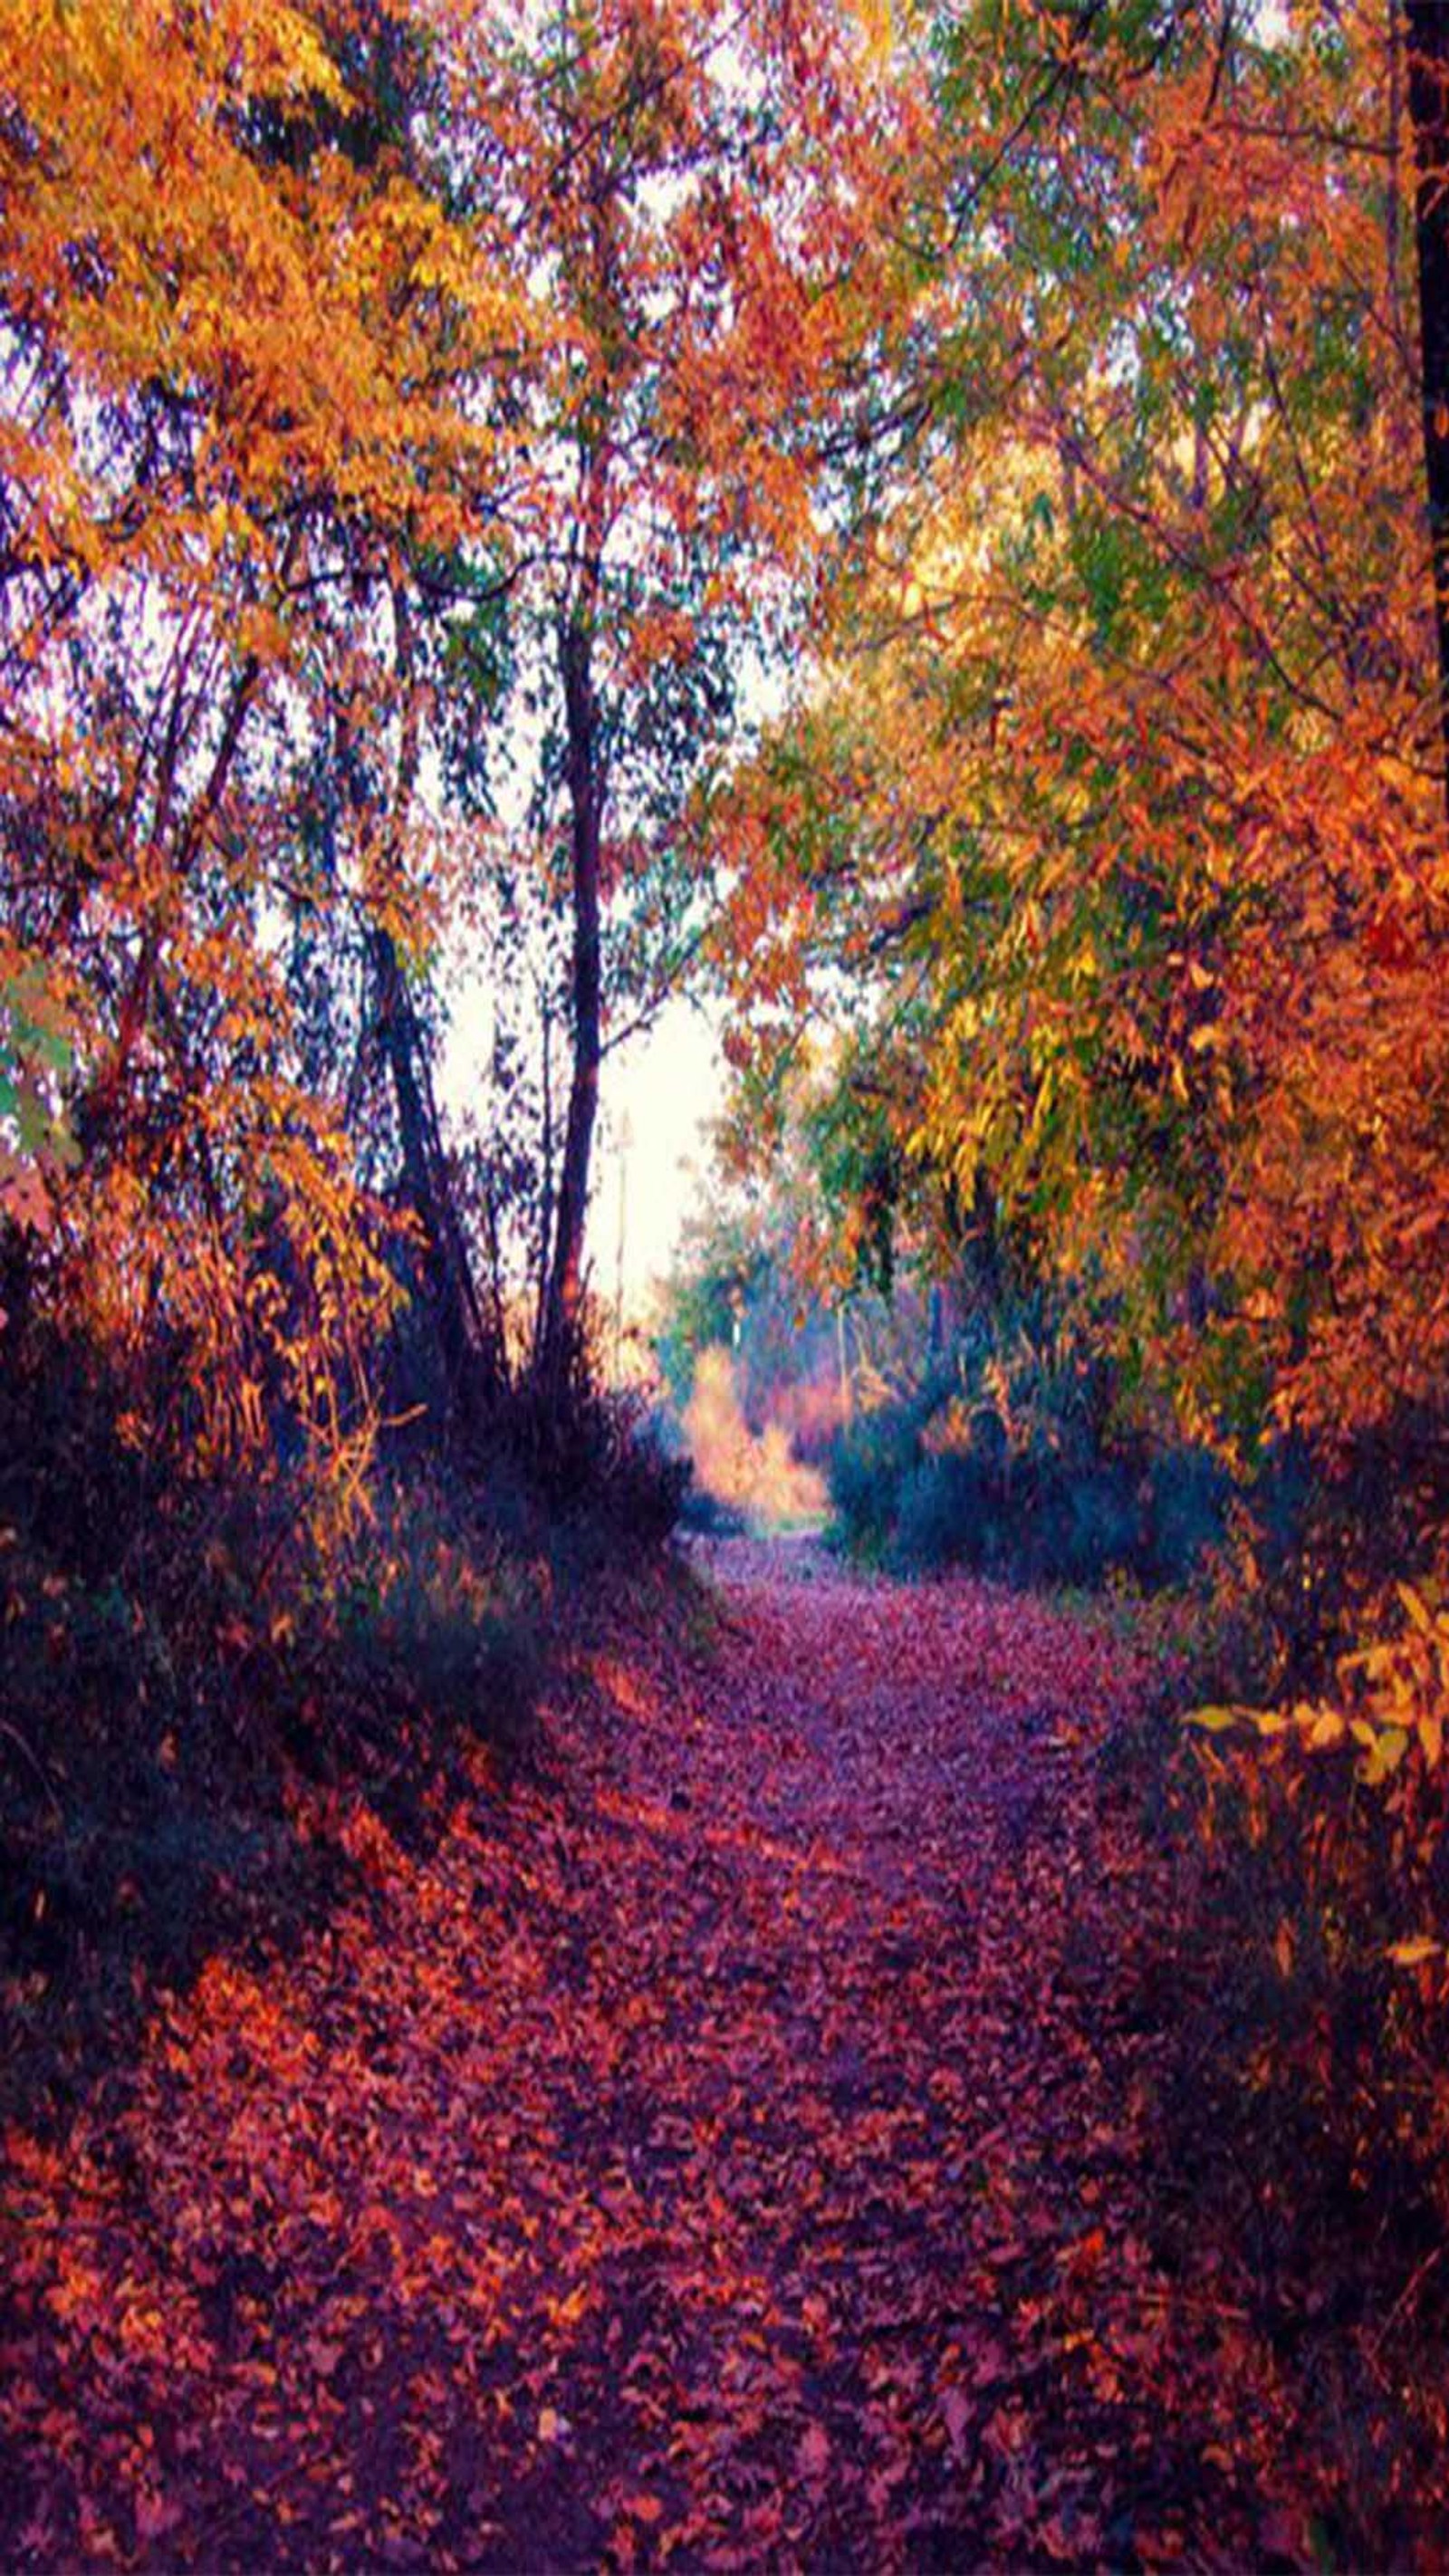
pixel 662 1090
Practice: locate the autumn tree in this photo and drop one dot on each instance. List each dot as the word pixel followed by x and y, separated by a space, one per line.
pixel 697 195
pixel 235 404
pixel 1111 812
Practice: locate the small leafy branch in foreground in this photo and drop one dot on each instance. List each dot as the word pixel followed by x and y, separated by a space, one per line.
pixel 1323 1831
pixel 1389 1703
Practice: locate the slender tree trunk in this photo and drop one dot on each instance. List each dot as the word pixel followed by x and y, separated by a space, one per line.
pixel 586 780
pixel 471 1364
pixel 985 1239
pixel 585 789
pixel 1393 172
pixel 546 1190
pixel 1428 85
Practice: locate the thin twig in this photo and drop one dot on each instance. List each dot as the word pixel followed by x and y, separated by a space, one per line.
pixel 33 1758
pixel 1405 2298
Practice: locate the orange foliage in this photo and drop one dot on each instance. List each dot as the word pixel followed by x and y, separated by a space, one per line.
pixel 1111 828
pixel 756 1473
pixel 219 354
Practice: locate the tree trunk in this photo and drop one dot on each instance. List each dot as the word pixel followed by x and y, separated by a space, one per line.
pixel 544 1256
pixel 1393 173
pixel 586 800
pixel 470 1364
pixel 1428 50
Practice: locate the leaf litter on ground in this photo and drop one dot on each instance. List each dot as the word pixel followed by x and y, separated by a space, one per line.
pixel 729 2148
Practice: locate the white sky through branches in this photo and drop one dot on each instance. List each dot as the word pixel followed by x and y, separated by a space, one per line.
pixel 661 1091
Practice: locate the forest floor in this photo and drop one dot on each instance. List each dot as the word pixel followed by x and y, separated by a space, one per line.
pixel 727 2139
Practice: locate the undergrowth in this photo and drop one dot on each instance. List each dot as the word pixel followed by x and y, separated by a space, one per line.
pixel 182 1650
pixel 1013 1458
pixel 1304 1971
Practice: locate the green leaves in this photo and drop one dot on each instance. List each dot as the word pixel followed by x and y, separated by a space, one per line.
pixel 35 1049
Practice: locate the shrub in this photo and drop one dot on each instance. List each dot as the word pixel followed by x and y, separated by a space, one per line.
pixel 575 1465
pixel 705 1516
pixel 1186 1502
pixel 941 1514
pixel 1311 1989
pixel 869 1461
pixel 1009 1461
pixel 179 1646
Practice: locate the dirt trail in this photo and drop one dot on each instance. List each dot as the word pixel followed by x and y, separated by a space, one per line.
pixel 725 2146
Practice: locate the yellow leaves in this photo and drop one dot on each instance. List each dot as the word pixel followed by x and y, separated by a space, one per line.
pixel 877 26
pixel 1389 1715
pixel 1261 1305
pixel 1414 1952
pixel 1326 1731
pixel 1384 1754
pixel 261 634
pixel 276 52
pixel 278 303
pixel 1417 1609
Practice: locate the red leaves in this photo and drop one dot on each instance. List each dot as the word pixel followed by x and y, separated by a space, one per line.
pixel 812 2452
pixel 957 2413
pixel 714 2156
pixel 643 2508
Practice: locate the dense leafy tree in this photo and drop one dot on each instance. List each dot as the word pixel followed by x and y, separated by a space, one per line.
pixel 236 399
pixel 1112 825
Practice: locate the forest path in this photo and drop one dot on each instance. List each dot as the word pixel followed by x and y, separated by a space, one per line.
pixel 727 2145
